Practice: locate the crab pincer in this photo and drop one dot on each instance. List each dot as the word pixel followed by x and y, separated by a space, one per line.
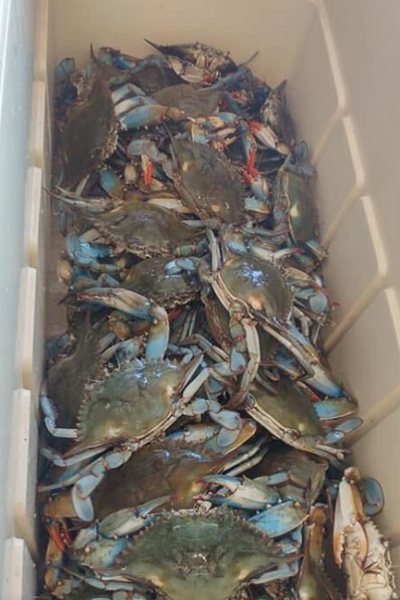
pixel 138 306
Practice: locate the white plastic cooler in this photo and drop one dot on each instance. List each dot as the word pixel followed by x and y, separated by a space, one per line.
pixel 341 58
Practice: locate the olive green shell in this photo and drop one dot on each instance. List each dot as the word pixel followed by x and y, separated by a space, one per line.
pixel 209 184
pixel 167 289
pixel 195 102
pixel 144 229
pixel 160 469
pixel 257 283
pixel 90 134
pixel 302 211
pixel 131 404
pixel 192 556
pixel 290 407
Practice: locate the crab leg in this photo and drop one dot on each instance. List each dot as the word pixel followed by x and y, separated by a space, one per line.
pixel 50 413
pixel 244 334
pixel 246 460
pixel 283 572
pixel 137 306
pixel 214 352
pixel 245 494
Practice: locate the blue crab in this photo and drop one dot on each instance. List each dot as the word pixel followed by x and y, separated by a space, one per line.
pixel 183 554
pixel 140 228
pixel 62 393
pixel 168 282
pixel 289 414
pixel 294 205
pixel 194 102
pixel 91 130
pixel 358 545
pixel 209 61
pixel 90 135
pixel 275 115
pixel 256 290
pixel 136 403
pixel 208 183
pixel 170 468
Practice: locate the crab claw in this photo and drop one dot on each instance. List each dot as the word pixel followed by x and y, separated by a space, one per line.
pixel 281 518
pixel 148 169
pixel 246 493
pixel 55 533
pixel 129 520
pixel 266 136
pixel 251 163
pixel 349 516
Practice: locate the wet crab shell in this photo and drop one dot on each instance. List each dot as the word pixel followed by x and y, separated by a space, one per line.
pixel 306 472
pixel 67 378
pixel 258 284
pixel 302 214
pixel 194 53
pixel 208 183
pixel 188 556
pixel 289 410
pixel 90 135
pixel 150 279
pixel 194 102
pixel 171 468
pixel 145 229
pixel 163 468
pixel 135 403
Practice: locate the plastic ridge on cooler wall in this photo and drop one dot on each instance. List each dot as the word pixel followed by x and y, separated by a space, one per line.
pixel 341 62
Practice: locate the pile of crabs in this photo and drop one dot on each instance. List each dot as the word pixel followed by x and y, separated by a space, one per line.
pixel 193 439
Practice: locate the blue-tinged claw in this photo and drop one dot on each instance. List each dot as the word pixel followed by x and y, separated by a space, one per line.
pixel 245 494
pixel 315 249
pixel 138 306
pixel 129 89
pixel 117 58
pixel 260 188
pixel 50 419
pixel 280 519
pixel 319 303
pixel 321 380
pixel 233 105
pixel 111 183
pixel 228 419
pixel 129 520
pixel 373 496
pixel 334 408
pixel 278 478
pixel 83 506
pixel 146 116
pixel 63 70
pixel 348 426
pixel 182 264
pixel 131 104
pixel 87 254
pixel 227 437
